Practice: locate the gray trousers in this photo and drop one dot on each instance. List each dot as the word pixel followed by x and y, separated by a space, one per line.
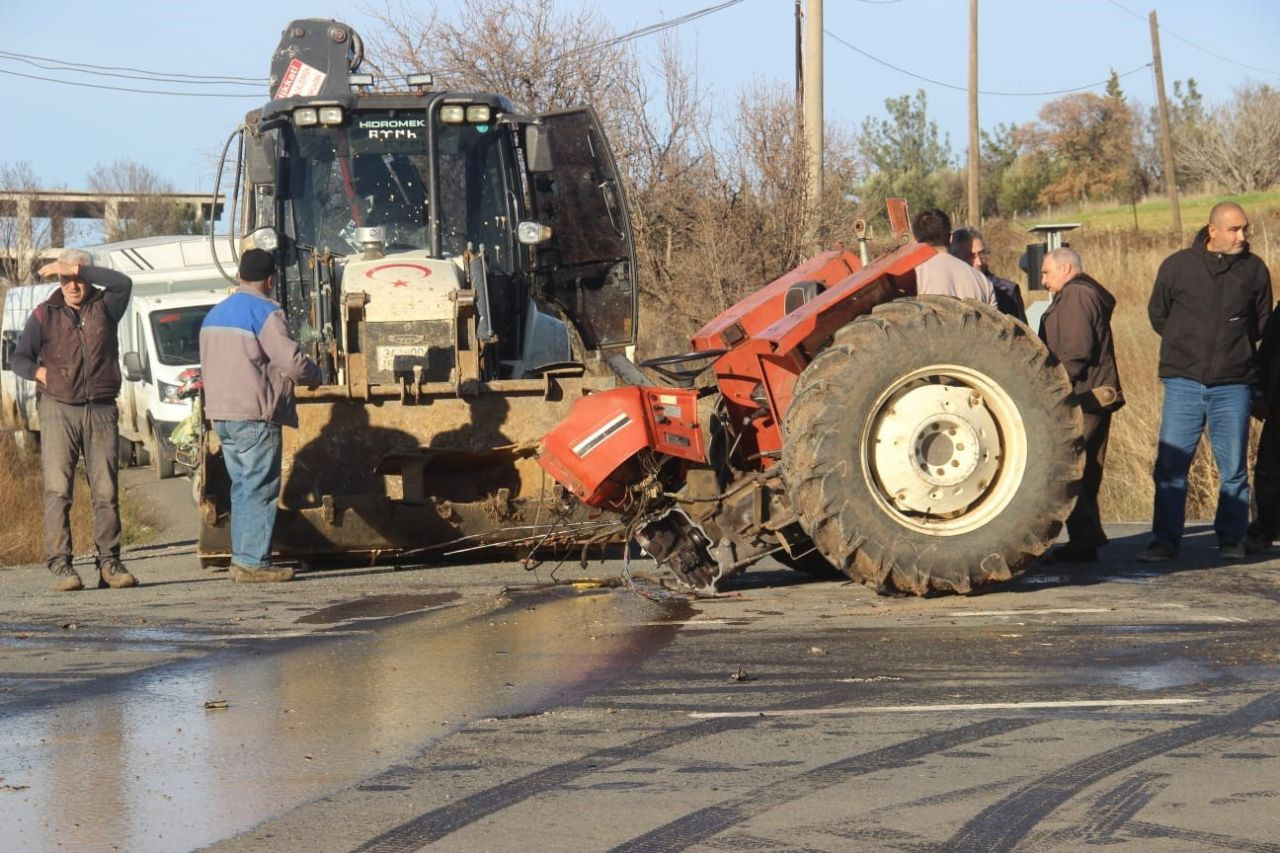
pixel 67 434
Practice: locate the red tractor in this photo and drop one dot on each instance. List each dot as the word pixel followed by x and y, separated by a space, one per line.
pixel 915 443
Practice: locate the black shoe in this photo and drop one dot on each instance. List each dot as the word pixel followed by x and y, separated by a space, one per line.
pixel 1070 553
pixel 1157 552
pixel 1257 543
pixel 65 578
pixel 1232 551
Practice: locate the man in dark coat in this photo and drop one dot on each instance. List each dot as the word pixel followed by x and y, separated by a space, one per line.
pixel 1076 327
pixel 69 348
pixel 1210 305
pixel 970 246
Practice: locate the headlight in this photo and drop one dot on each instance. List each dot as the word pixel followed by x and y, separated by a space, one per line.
pixel 305 117
pixel 330 115
pixel 478 114
pixel 264 238
pixel 452 113
pixel 532 233
pixel 168 393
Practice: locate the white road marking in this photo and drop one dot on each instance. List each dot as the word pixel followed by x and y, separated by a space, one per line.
pixel 1060 610
pixel 971 706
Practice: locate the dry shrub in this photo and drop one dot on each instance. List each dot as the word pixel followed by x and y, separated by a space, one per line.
pixel 22 509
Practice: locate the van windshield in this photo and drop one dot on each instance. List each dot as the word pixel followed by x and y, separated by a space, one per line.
pixel 177 333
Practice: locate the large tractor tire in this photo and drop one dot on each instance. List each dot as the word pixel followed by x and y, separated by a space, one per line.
pixel 933 446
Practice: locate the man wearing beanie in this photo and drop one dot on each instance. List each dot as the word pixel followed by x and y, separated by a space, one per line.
pixel 250 364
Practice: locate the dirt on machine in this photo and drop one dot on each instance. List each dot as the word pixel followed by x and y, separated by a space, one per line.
pixel 837 421
pixel 464 275
pixel 461 272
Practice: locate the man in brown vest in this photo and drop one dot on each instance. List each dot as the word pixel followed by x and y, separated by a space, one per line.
pixel 69 348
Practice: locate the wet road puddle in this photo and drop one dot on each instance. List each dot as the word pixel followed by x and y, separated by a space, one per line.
pixel 150 768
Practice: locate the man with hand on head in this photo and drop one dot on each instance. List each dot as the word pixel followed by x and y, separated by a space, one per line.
pixel 249 365
pixel 69 348
pixel 1076 327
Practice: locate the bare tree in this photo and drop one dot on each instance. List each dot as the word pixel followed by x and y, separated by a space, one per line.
pixel 152 213
pixel 523 49
pixel 26 232
pixel 1237 149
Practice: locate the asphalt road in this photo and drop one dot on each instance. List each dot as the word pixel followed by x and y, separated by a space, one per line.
pixel 388 710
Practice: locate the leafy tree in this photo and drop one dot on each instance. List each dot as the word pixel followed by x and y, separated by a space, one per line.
pixel 905 156
pixel 998 152
pixel 1088 140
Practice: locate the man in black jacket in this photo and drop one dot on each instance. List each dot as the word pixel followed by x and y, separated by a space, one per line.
pixel 1210 306
pixel 1076 327
pixel 970 246
pixel 69 348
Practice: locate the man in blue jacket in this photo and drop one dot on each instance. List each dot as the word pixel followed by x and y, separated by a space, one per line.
pixel 249 365
pixel 70 350
pixel 1210 305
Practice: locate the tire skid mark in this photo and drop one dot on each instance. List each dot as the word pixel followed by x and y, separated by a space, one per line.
pixel 1142 829
pixel 712 820
pixel 1002 825
pixel 414 834
pixel 1115 808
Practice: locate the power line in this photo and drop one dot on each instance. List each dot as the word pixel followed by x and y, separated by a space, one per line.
pixel 126 89
pixel 946 85
pixel 1192 44
pixel 167 77
pixel 190 80
pixel 96 68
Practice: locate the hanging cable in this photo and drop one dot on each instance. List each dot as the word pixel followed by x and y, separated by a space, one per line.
pixel 1189 43
pixel 127 89
pixel 945 85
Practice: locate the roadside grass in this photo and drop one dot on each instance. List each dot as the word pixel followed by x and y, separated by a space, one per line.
pixel 1153 214
pixel 1125 261
pixel 22 510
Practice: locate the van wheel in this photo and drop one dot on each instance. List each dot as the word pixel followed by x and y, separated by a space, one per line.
pixel 162 461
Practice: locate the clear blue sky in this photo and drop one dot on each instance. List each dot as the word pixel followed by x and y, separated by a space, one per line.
pixel 1026 45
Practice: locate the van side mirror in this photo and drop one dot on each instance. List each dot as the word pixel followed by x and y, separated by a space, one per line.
pixel 133 370
pixel 537 148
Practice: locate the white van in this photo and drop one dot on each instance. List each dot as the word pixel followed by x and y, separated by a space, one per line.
pixel 17 395
pixel 175 283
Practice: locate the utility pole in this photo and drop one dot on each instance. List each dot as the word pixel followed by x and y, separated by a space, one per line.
pixel 813 117
pixel 1166 141
pixel 975 153
pixel 799 65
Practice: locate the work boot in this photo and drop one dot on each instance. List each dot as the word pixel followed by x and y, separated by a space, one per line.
pixel 112 573
pixel 65 578
pixel 264 574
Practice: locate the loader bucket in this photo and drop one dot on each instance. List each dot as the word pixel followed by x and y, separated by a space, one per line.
pixel 399 476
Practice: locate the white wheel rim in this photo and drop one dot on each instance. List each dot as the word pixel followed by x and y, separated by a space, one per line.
pixel 944 449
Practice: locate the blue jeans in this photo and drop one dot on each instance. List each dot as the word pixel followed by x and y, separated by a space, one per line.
pixel 251 452
pixel 1188 407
